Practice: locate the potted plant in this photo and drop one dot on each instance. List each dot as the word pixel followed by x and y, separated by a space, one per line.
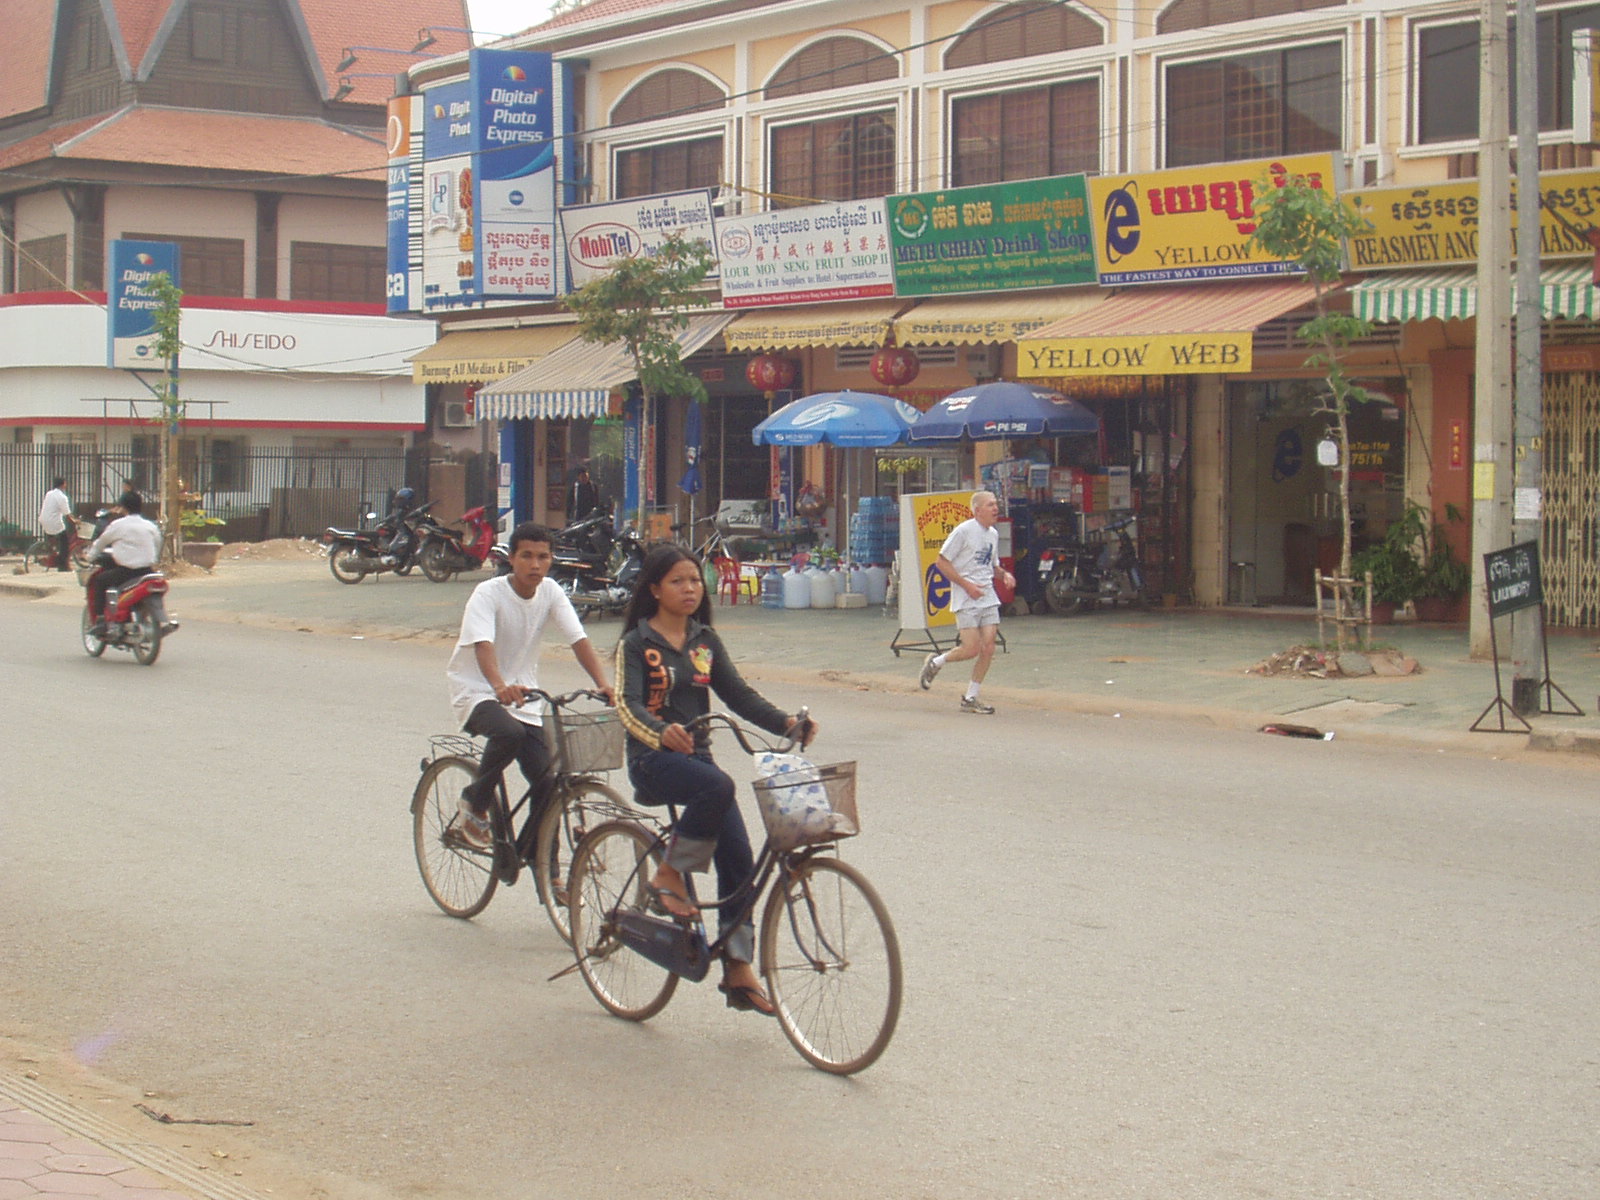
pixel 1395 566
pixel 201 545
pixel 1445 578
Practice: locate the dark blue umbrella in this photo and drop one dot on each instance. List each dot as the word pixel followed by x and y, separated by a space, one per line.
pixel 692 437
pixel 839 418
pixel 989 411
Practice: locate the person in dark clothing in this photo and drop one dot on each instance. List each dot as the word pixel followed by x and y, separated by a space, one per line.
pixel 668 663
pixel 582 495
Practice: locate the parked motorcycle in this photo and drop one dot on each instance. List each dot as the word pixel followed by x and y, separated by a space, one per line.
pixel 1105 570
pixel 353 554
pixel 595 583
pixel 444 551
pixel 135 615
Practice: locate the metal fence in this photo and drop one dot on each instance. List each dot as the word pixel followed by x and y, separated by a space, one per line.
pixel 258 492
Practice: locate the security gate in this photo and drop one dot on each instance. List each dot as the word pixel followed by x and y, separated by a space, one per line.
pixel 1571 519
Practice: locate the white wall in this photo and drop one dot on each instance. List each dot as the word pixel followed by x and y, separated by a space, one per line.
pixel 328 219
pixel 188 212
pixel 43 214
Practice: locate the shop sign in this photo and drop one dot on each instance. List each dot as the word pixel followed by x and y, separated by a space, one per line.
pixel 1437 224
pixel 794 255
pixel 599 235
pixel 131 305
pixel 402 252
pixel 1028 234
pixel 1191 223
pixel 1142 354
pixel 925 522
pixel 468 370
pixel 514 173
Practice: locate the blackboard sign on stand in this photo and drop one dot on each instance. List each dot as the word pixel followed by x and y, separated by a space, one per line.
pixel 1512 578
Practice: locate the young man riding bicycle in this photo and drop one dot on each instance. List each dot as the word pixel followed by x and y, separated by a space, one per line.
pixel 495 666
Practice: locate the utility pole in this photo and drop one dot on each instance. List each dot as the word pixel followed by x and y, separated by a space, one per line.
pixel 1527 629
pixel 1491 408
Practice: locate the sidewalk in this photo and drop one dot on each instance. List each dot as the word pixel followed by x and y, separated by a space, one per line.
pixel 1187 664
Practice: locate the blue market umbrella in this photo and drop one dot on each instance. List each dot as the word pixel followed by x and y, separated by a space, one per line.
pixel 838 418
pixel 989 411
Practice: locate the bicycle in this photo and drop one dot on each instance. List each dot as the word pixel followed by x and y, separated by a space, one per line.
pixel 41 552
pixel 714 546
pixel 828 953
pixel 461 878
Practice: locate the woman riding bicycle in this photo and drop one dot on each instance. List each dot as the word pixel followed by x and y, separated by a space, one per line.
pixel 668 663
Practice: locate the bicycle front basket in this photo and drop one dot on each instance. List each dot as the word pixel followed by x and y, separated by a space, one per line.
pixel 585 742
pixel 810 804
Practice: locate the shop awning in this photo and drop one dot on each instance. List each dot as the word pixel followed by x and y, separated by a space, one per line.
pixel 481 355
pixel 960 320
pixel 1199 329
pixel 1566 290
pixel 858 323
pixel 577 379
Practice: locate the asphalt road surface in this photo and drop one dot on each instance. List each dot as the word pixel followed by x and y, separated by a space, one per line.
pixel 1142 959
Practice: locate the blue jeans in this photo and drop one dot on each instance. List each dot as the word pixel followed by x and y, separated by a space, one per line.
pixel 709 829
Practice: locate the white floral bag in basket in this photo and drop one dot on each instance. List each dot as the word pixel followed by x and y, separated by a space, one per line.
pixel 802 803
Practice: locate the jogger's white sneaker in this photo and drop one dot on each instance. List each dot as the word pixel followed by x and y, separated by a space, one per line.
pixel 473 829
pixel 929 670
pixel 972 704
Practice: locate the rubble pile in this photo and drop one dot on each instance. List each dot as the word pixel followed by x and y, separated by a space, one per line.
pixel 1312 663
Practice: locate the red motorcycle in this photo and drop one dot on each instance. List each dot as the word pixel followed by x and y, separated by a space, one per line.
pixel 444 552
pixel 135 616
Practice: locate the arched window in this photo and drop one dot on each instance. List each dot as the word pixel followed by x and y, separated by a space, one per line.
pixel 669 93
pixel 1199 14
pixel 1018 30
pixel 834 62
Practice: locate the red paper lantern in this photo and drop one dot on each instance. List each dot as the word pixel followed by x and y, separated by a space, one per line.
pixel 769 373
pixel 894 366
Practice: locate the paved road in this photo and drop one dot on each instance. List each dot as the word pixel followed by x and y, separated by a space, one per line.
pixel 1144 958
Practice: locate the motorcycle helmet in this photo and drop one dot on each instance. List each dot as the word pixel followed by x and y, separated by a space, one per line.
pixel 405 496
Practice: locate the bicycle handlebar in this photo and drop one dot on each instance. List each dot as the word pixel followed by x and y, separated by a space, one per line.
pixel 562 701
pixel 775 743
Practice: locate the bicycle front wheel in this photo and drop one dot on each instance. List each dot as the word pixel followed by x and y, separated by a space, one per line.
pixel 460 880
pixel 566 819
pixel 831 962
pixel 37 557
pixel 613 864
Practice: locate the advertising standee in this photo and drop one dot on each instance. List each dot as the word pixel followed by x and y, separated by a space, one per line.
pixel 130 306
pixel 514 165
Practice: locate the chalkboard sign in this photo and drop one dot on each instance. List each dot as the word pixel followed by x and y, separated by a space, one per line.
pixel 1513 578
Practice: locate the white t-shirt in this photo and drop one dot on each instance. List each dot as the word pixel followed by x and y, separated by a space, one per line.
pixel 132 540
pixel 495 613
pixel 974 552
pixel 54 511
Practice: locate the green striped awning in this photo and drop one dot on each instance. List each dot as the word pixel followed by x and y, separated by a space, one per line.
pixel 1566 291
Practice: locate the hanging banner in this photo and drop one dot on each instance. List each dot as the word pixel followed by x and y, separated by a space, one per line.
pixel 449 267
pixel 403 204
pixel 130 308
pixel 925 522
pixel 597 235
pixel 514 173
pixel 795 255
pixel 1192 223
pixel 1029 234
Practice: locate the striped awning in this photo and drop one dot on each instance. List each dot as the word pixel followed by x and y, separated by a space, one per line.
pixel 857 323
pixel 1566 291
pixel 577 379
pixel 481 355
pixel 1004 317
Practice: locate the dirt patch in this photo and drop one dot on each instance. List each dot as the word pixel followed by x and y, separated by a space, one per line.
pixel 274 550
pixel 1312 663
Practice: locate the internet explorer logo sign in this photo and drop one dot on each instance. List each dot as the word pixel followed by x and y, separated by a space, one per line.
pixel 514 74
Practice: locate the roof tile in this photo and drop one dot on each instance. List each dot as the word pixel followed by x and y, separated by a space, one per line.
pixel 138 21
pixel 392 24
pixel 29 24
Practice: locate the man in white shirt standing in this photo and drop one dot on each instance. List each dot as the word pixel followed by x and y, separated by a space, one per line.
pixel 55 517
pixel 495 664
pixel 134 545
pixel 970 560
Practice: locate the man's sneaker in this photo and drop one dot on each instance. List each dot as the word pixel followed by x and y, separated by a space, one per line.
pixel 473 829
pixel 973 705
pixel 929 670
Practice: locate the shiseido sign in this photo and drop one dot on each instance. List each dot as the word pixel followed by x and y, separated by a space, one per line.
pixel 337 343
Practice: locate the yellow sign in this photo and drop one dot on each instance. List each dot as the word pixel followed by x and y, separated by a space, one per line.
pixel 1141 354
pixel 925 522
pixel 1483 481
pixel 1191 223
pixel 469 370
pixel 1437 224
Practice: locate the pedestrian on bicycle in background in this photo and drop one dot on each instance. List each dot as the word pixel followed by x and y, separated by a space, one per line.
pixel 669 661
pixel 133 544
pixel 55 518
pixel 970 560
pixel 494 667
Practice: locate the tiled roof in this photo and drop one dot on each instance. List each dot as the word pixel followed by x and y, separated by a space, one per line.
pixel 196 139
pixel 393 24
pixel 600 10
pixel 29 24
pixel 137 23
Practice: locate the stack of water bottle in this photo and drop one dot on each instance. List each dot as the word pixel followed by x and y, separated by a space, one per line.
pixel 874 531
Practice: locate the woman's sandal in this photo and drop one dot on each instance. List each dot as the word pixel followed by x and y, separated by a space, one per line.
pixel 747 999
pixel 659 898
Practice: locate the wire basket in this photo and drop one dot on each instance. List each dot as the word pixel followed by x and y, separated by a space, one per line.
pixel 584 742
pixel 809 805
pixel 454 745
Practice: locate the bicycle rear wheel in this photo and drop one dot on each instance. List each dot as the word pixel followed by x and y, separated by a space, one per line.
pixel 831 962
pixel 38 555
pixel 613 864
pixel 566 819
pixel 460 880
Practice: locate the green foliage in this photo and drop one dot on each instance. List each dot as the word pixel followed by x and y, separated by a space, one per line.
pixel 1443 574
pixel 196 521
pixel 1414 560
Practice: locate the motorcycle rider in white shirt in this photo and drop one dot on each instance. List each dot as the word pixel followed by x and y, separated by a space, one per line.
pixel 133 544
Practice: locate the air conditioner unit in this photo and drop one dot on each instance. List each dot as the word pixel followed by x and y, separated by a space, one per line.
pixel 457 415
pixel 981 362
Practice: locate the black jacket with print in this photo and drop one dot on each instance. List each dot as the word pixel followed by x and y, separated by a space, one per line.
pixel 658 686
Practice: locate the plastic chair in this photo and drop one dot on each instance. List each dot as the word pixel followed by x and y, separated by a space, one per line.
pixel 729 577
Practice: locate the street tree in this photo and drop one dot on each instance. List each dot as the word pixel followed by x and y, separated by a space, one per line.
pixel 643 302
pixel 166 344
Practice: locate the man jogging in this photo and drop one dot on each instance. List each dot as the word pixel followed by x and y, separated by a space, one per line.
pixel 970 560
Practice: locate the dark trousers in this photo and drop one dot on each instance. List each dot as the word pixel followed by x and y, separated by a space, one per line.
pixel 508 740
pixel 108 577
pixel 64 549
pixel 707 812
